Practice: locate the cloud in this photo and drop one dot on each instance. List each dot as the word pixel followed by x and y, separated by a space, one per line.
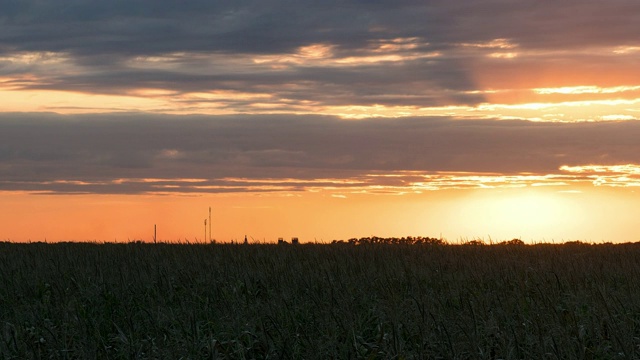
pixel 481 61
pixel 95 152
pixel 95 31
pixel 624 175
pixel 305 56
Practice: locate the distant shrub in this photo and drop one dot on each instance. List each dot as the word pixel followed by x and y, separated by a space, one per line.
pixel 407 240
pixel 474 243
pixel 513 242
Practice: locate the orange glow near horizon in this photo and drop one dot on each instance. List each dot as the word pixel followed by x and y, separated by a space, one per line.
pixel 591 203
pixel 534 214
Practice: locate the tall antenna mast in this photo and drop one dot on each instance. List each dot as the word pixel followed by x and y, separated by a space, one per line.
pixel 209 223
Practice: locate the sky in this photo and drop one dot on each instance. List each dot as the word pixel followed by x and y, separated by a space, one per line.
pixel 467 120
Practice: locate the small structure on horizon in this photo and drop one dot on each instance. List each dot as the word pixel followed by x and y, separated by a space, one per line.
pixel 294 241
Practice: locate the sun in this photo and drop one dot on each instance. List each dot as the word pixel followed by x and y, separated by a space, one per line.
pixel 530 209
pixel 519 213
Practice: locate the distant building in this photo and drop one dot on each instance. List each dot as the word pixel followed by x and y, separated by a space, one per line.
pixel 294 241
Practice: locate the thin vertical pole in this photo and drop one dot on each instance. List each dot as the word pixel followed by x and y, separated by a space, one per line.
pixel 205 230
pixel 209 223
pixel 155 239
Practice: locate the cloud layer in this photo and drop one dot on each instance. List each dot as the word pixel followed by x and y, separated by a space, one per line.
pixel 137 153
pixel 232 96
pixel 143 28
pixel 351 59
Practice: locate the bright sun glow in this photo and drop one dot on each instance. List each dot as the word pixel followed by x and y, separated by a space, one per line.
pixel 520 213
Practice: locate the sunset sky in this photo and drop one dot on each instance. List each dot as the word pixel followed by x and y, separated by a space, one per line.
pixel 324 120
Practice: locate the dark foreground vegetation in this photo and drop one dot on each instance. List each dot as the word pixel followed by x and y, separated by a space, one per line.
pixel 340 301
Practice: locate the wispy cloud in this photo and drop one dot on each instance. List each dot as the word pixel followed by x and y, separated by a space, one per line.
pixel 586 89
pixel 627 175
pixel 387 58
pixel 134 153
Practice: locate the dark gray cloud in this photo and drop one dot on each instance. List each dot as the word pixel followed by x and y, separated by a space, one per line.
pixel 418 82
pixel 145 27
pixel 100 40
pixel 55 152
pixel 156 27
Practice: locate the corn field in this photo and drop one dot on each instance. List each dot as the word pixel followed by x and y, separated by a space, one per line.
pixel 315 301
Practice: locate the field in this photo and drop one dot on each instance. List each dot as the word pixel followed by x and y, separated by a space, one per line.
pixel 339 301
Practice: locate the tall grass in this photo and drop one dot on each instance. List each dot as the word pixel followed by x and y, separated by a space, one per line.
pixel 137 301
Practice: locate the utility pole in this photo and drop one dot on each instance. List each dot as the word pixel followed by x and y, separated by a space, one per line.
pixel 205 230
pixel 209 223
pixel 155 239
